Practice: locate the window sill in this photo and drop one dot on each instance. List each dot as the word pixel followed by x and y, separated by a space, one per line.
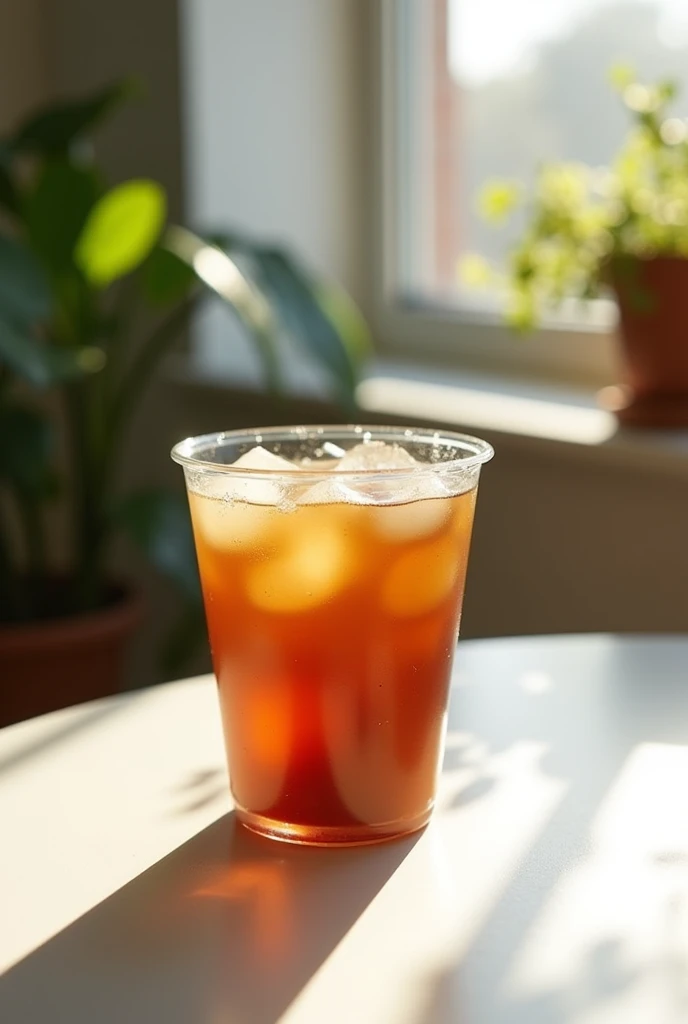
pixel 565 421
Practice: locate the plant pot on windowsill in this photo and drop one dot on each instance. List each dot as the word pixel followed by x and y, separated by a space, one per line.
pixel 624 228
pixel 60 661
pixel 652 298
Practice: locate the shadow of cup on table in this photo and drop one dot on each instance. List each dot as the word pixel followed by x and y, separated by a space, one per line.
pixel 229 927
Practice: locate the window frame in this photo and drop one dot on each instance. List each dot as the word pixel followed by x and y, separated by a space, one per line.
pixel 417 329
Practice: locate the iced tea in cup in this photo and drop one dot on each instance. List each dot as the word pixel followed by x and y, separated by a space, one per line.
pixel 333 562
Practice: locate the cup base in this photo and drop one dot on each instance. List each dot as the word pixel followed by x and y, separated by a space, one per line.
pixel 335 836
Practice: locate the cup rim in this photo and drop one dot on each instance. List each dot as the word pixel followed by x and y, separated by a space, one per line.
pixel 476 451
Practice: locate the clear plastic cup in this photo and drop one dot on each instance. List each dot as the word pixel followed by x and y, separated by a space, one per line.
pixel 333 563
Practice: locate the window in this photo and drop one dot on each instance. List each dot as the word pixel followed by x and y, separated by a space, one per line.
pixel 481 89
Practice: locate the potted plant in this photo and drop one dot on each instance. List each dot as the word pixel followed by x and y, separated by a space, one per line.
pixel 623 231
pixel 79 261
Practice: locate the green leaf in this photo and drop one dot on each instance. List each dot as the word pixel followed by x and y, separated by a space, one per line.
pixel 41 364
pixel 666 91
pixel 24 355
pixel 346 318
pixel 218 271
pixel 24 291
pixel 521 312
pixel 263 285
pixel 621 76
pixel 54 129
pixel 297 300
pixel 221 274
pixel 166 278
pixel 57 209
pixel 498 199
pixel 121 230
pixel 159 524
pixel 25 460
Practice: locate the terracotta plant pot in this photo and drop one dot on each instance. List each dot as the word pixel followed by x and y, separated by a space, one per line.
pixel 59 662
pixel 652 296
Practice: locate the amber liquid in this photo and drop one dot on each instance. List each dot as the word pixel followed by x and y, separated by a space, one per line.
pixel 333 630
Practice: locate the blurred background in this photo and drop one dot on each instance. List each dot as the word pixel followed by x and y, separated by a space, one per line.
pixel 356 133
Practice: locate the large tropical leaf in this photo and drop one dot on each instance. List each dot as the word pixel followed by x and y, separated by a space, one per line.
pixel 319 315
pixel 56 211
pixel 298 302
pixel 224 277
pixel 52 131
pixel 268 288
pixel 24 290
pixel 41 364
pixel 120 231
pixel 219 271
pixel 166 277
pixel 159 524
pixel 346 318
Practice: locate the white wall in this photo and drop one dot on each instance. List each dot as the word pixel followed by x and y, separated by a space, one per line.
pixel 274 125
pixel 22 59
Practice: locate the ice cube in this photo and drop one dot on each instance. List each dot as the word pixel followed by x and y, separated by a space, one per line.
pixel 325 492
pixel 375 484
pixel 261 460
pixel 411 521
pixel 232 525
pixel 385 488
pixel 261 491
pixel 421 579
pixel 374 456
pixel 234 513
pixel 316 566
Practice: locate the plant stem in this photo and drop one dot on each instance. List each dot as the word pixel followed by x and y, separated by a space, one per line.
pixel 34 536
pixel 123 312
pixel 31 586
pixel 11 597
pixel 265 342
pixel 136 378
pixel 88 519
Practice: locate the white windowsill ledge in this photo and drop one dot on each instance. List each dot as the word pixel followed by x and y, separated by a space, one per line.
pixel 493 405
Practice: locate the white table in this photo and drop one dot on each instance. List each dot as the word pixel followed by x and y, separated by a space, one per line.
pixel 550 888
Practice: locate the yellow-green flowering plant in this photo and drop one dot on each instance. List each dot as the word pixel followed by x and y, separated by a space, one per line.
pixel 581 220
